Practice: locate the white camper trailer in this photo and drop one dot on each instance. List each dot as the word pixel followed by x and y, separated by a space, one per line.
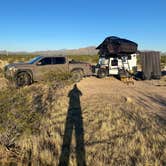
pixel 116 57
pixel 115 64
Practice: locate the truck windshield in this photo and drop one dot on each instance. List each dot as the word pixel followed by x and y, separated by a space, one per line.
pixel 34 60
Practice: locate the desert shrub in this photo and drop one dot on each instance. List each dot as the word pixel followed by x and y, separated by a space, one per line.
pixel 57 79
pixel 118 135
pixel 16 58
pixel 16 115
pixel 163 59
pixel 21 113
pixel 57 76
pixel 138 60
pixel 117 130
pixel 1 72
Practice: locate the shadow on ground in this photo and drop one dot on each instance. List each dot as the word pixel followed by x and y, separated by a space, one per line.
pixel 73 121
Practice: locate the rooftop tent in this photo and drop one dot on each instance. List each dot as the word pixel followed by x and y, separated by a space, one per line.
pixel 116 45
pixel 151 64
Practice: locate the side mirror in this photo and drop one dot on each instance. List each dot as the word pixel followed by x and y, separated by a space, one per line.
pixel 39 63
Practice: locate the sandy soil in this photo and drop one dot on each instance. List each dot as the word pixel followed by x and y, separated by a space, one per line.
pixel 151 95
pixel 116 129
pixel 146 94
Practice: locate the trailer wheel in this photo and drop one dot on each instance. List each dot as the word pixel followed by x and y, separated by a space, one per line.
pixel 101 73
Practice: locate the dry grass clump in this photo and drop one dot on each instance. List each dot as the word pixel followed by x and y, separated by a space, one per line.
pixel 16 57
pixel 124 134
pixel 21 111
pixel 85 58
pixel 57 79
pixel 3 63
pixel 114 133
pixel 1 72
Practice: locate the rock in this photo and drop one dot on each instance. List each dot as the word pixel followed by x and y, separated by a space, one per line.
pixel 129 100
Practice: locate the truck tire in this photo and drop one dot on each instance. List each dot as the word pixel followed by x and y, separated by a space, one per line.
pixel 22 79
pixel 76 75
pixel 101 73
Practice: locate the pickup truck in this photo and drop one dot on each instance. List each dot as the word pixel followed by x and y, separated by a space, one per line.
pixel 37 68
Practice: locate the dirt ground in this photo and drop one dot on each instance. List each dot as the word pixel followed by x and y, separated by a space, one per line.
pixel 119 126
pixel 150 95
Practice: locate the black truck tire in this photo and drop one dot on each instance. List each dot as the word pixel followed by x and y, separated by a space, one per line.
pixel 23 79
pixel 76 75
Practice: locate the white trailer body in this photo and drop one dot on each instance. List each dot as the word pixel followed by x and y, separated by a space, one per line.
pixel 113 64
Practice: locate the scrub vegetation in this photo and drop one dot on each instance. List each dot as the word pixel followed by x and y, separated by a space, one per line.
pixel 85 58
pixel 117 130
pixel 163 61
pixel 18 58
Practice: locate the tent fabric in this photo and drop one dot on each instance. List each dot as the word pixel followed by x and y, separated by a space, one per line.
pixel 151 65
pixel 116 45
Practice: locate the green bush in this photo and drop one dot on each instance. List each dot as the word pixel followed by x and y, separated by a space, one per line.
pixel 163 59
pixel 17 115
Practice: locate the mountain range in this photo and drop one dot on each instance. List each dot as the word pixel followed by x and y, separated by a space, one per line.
pixel 80 51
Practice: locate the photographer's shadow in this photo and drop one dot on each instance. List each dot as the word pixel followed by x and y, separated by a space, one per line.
pixel 73 121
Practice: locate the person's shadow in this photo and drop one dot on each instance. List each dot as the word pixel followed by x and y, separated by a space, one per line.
pixel 73 121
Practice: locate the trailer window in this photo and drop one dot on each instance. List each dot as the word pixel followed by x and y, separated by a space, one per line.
pixel 114 62
pixel 129 57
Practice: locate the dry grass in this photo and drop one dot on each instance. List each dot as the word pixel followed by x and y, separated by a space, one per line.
pixel 115 133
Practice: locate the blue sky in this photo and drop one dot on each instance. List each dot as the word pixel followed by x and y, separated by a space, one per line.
pixel 30 25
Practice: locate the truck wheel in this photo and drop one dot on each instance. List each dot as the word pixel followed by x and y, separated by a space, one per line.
pixel 101 73
pixel 76 76
pixel 23 79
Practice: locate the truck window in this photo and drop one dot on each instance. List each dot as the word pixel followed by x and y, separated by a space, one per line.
pixel 59 60
pixel 45 61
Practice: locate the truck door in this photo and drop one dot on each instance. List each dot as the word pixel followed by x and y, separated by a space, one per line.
pixel 49 65
pixel 42 67
pixel 60 65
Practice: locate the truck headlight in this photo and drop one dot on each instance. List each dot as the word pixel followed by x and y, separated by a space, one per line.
pixel 13 69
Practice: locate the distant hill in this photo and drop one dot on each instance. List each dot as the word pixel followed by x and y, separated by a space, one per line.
pixel 163 53
pixel 80 51
pixel 91 50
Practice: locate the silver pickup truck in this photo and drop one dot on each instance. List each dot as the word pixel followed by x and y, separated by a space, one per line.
pixel 37 68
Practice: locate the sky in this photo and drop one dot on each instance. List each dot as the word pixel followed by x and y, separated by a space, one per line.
pixel 33 25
